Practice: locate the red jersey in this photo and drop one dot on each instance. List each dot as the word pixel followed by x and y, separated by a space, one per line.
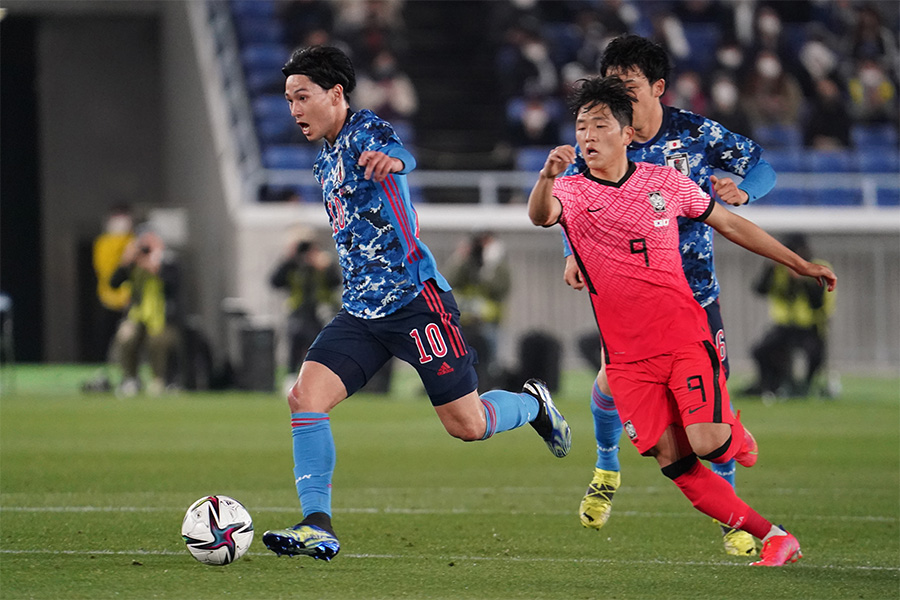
pixel 625 238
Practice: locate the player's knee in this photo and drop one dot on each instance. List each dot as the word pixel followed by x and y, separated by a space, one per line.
pixel 469 432
pixel 293 398
pixel 709 440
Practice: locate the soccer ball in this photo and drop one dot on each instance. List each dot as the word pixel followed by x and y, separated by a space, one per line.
pixel 217 530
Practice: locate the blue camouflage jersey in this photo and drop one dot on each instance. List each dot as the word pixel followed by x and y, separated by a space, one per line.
pixel 696 146
pixel 374 225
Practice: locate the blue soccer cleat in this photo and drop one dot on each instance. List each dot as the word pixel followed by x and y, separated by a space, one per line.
pixel 549 423
pixel 303 540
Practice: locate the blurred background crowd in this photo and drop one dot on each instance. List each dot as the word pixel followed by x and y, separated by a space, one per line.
pixel 795 75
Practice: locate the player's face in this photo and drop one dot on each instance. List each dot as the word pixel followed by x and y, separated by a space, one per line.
pixel 320 113
pixel 602 139
pixel 646 94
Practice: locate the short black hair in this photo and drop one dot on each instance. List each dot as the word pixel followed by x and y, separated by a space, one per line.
pixel 610 91
pixel 631 51
pixel 326 66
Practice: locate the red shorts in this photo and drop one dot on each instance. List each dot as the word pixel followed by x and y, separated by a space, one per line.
pixel 681 387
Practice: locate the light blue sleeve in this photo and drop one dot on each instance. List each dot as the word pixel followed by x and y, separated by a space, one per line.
pixel 567 249
pixel 758 181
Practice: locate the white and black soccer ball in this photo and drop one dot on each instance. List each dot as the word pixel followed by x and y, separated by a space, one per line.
pixel 217 530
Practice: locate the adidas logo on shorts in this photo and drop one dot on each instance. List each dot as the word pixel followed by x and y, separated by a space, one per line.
pixel 444 369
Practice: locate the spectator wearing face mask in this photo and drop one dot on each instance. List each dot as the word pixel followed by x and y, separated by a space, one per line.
pixel 772 95
pixel 873 96
pixel 725 106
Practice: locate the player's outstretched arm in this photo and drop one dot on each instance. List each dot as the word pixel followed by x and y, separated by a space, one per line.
pixel 749 235
pixel 543 209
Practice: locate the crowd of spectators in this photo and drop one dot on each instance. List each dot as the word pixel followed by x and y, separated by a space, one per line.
pixel 817 67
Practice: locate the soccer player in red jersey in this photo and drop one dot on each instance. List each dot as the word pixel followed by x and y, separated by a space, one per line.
pixel 662 366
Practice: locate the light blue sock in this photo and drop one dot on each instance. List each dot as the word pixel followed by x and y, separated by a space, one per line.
pixel 607 429
pixel 507 410
pixel 725 470
pixel 314 459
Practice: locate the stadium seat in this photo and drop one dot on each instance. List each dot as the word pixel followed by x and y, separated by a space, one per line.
pixel 836 197
pixel 889 196
pixel 829 161
pixel 880 135
pixel 258 8
pixel 781 196
pixel 275 131
pixel 778 136
pixel 785 160
pixel 703 38
pixel 264 56
pixel 263 81
pixel 532 158
pixel 877 160
pixel 289 156
pixel 253 29
pixel 271 106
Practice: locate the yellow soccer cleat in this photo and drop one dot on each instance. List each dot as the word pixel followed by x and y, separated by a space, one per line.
pixel 736 541
pixel 597 502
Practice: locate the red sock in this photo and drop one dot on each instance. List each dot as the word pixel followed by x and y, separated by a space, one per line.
pixel 713 496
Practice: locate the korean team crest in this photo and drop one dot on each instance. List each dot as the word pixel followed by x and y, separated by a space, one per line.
pixel 680 162
pixel 657 201
pixel 630 430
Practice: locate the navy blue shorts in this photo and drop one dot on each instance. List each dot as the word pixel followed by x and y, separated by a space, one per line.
pixel 425 333
pixel 717 329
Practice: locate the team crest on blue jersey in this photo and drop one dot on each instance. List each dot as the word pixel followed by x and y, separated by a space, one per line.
pixel 339 171
pixel 657 201
pixel 680 162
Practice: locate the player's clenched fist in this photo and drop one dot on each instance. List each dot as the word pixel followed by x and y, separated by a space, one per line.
pixel 558 160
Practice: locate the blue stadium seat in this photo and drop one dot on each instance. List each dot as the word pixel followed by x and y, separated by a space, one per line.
pixel 778 136
pixel 829 161
pixel 889 197
pixel 275 131
pixel 289 156
pixel 256 29
pixel 785 160
pixel 874 136
pixel 782 196
pixel 877 160
pixel 259 8
pixel 264 56
pixel 263 81
pixel 703 38
pixel 271 106
pixel 836 197
pixel 532 158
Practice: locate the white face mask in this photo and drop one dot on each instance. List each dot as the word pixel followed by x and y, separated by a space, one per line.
pixel 730 57
pixel 769 24
pixel 725 94
pixel 686 88
pixel 768 67
pixel 870 77
pixel 118 225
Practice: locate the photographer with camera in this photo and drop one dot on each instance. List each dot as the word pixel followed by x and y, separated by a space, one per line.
pixel 313 281
pixel 152 316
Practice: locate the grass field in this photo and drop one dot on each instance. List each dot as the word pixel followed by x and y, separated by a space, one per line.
pixel 93 490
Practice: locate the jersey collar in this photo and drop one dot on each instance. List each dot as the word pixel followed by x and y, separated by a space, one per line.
pixel 615 184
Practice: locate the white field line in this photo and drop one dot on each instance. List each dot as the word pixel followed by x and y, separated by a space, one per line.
pixel 473 559
pixel 426 511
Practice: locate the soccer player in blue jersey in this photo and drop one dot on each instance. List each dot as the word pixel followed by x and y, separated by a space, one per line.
pixel 696 146
pixel 395 302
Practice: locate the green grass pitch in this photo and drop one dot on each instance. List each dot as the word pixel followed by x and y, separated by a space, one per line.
pixel 93 490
